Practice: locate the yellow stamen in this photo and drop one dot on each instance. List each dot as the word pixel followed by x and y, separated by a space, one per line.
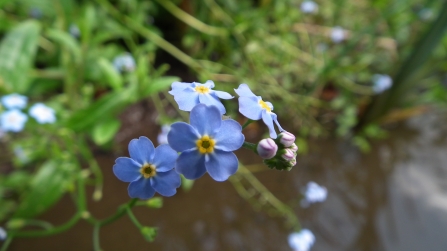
pixel 205 144
pixel 264 105
pixel 202 89
pixel 148 170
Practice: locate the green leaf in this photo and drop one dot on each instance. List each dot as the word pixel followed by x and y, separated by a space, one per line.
pixel 112 76
pixel 104 132
pixel 47 186
pixel 66 40
pixel 107 106
pixel 17 53
pixel 157 85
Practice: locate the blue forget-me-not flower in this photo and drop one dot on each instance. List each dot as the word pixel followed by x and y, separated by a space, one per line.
pixel 42 113
pixel 309 7
pixel 14 101
pixel 124 63
pixel 206 144
pixel 301 241
pixel 188 95
pixel 313 193
pixel 254 108
pixel 148 169
pixel 381 83
pixel 13 120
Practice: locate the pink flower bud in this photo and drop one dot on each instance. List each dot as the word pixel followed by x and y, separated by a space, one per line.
pixel 292 162
pixel 267 148
pixel 294 148
pixel 286 138
pixel 288 154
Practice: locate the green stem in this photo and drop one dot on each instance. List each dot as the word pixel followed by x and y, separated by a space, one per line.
pixel 96 243
pixel 121 211
pixel 52 231
pixel 250 146
pixel 247 123
pixel 133 218
pixel 6 244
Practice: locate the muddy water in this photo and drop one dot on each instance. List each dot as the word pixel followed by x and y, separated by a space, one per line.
pixel 394 198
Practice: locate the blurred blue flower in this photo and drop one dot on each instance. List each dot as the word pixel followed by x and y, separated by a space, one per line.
pixel 14 101
pixel 13 120
pixel 301 241
pixel 3 234
pixel 35 13
pixel 73 29
pixel 42 113
pixel 148 169
pixel 207 144
pixel 313 193
pixel 338 34
pixel 309 6
pixel 426 14
pixel 254 108
pixel 124 63
pixel 381 83
pixel 188 95
pixel 162 137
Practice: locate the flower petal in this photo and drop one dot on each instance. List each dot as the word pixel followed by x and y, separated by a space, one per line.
pixel 186 99
pixel 179 86
pixel 267 118
pixel 250 108
pixel 126 169
pixel 209 84
pixel 182 137
pixel 270 105
pixel 244 91
pixel 141 188
pixel 275 119
pixel 142 150
pixel 221 165
pixel 165 158
pixel 223 95
pixel 209 99
pixel 166 183
pixel 191 164
pixel 205 119
pixel 229 138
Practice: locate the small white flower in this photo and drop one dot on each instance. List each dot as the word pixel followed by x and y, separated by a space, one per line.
pixel 337 34
pixel 42 113
pixel 14 101
pixel 301 241
pixel 162 138
pixel 124 63
pixel 3 234
pixel 314 193
pixel 13 120
pixel 381 83
pixel 309 7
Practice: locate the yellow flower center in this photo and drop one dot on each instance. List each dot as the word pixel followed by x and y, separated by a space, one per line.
pixel 202 89
pixel 264 105
pixel 205 144
pixel 148 170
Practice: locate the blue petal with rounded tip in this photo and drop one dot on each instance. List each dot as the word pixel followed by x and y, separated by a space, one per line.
pixel 209 84
pixel 209 99
pixel 141 188
pixel 267 118
pixel 244 91
pixel 275 118
pixel 205 119
pixel 229 138
pixel 141 150
pixel 221 165
pixel 179 86
pixel 186 99
pixel 165 158
pixel 166 183
pixel 126 169
pixel 191 164
pixel 223 95
pixel 250 108
pixel 269 105
pixel 182 137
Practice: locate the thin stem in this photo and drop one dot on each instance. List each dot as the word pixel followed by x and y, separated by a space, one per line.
pixel 6 244
pixel 249 146
pixel 133 218
pixel 247 123
pixel 121 211
pixel 96 242
pixel 52 231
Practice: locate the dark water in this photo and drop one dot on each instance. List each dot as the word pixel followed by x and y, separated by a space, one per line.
pixel 394 198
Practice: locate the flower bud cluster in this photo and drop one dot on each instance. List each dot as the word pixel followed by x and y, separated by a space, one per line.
pixel 280 153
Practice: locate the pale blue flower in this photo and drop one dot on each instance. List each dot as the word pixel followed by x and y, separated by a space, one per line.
pixel 42 113
pixel 3 234
pixel 13 120
pixel 148 169
pixel 188 95
pixel 124 63
pixel 162 137
pixel 313 193
pixel 74 31
pixel 338 34
pixel 309 7
pixel 207 144
pixel 301 241
pixel 14 101
pixel 254 108
pixel 381 83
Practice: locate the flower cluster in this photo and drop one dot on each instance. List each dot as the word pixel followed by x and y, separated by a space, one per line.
pixel 14 119
pixel 204 145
